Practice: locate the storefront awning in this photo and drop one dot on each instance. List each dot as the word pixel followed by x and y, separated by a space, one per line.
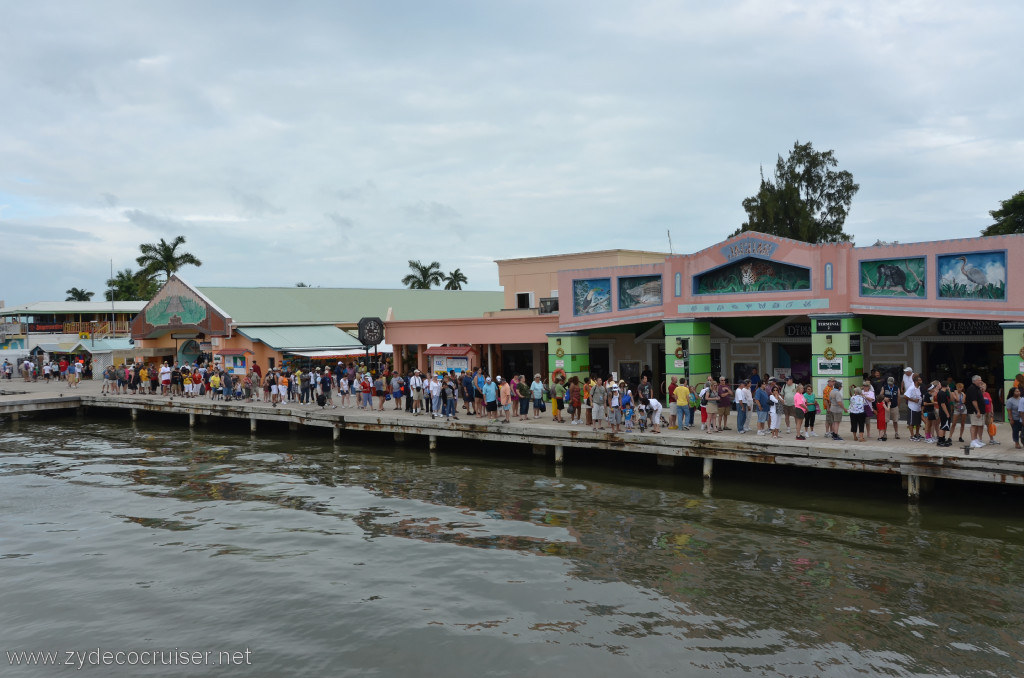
pixel 292 338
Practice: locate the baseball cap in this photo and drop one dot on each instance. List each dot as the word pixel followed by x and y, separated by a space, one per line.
pixel 497 378
pixel 908 369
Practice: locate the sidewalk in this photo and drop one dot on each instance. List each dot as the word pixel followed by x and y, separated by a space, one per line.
pixel 21 390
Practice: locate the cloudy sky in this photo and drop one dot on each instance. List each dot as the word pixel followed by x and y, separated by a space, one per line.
pixel 330 142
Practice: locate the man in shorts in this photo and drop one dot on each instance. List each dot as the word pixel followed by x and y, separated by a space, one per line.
pixel 892 392
pixel 976 410
pixel 614 413
pixel 788 408
pixel 598 396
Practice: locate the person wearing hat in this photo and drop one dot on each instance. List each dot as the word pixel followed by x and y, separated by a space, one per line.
pixel 614 414
pixel 491 398
pixel 892 392
pixel 416 386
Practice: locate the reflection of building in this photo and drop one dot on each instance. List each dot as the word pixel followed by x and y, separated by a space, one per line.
pixel 64 322
pixel 945 308
pixel 237 325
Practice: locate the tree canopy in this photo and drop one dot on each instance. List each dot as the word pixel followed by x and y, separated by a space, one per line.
pixel 455 280
pixel 806 199
pixel 163 257
pixel 423 277
pixel 1009 218
pixel 75 294
pixel 129 285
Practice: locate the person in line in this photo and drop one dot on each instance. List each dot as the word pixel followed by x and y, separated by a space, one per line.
pixel 775 403
pixel 913 396
pixel 614 408
pixel 626 405
pixel 725 397
pixel 684 413
pixel 673 416
pixel 867 391
pixel 788 391
pixel 836 407
pixel 799 411
pixel 882 408
pixel 416 384
pixel 892 392
pixel 598 400
pixel 943 401
pixel 811 405
pixel 959 401
pixel 557 400
pixel 505 399
pixel 858 414
pixel 744 404
pixel 490 392
pixel 576 399
pixel 654 408
pixel 479 381
pixel 989 418
pixel 537 393
pixel 523 390
pixel 928 416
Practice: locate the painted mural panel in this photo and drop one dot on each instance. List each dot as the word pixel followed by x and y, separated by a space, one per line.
pixel 893 278
pixel 639 291
pixel 753 275
pixel 591 295
pixel 972 275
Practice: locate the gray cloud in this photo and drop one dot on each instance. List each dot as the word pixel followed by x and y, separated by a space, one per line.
pixel 253 205
pixel 432 212
pixel 343 223
pixel 155 223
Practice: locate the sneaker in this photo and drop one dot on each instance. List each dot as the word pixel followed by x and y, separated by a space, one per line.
pixel 760 433
pixel 977 443
pixel 788 431
pixel 993 442
pixel 800 438
pixel 835 437
pixel 930 441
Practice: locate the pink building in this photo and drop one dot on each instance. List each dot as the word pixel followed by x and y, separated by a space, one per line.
pixel 945 308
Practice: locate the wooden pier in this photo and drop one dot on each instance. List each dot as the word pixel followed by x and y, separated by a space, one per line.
pixel 913 463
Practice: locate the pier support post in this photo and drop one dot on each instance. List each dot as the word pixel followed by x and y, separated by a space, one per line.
pixel 540 450
pixel 667 461
pixel 432 442
pixel 913 488
pixel 135 414
pixel 15 416
pixel 399 437
pixel 191 419
pixel 559 454
pixel 708 463
pixel 336 433
pixel 252 423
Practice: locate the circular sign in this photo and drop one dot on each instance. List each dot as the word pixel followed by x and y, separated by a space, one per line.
pixel 560 352
pixel 1021 353
pixel 830 353
pixel 679 352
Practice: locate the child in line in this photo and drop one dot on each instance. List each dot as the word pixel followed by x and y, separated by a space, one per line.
pixel 882 417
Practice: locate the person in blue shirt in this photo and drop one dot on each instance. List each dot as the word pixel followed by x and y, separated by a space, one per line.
pixel 490 391
pixel 537 393
pixel 627 407
pixel 478 383
pixel 762 403
pixel 468 393
pixel 755 379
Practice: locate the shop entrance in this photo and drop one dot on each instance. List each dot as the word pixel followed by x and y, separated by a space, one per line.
pixel 793 359
pixel 961 360
pixel 517 361
pixel 599 361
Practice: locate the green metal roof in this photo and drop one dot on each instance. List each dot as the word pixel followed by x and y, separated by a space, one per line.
pixel 299 337
pixel 271 305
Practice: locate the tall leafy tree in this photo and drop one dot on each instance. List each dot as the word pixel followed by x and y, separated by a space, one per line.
pixel 75 294
pixel 455 280
pixel 129 285
pixel 1009 217
pixel 423 277
pixel 163 257
pixel 806 199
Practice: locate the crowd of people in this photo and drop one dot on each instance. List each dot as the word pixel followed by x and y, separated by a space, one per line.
pixel 930 413
pixel 70 371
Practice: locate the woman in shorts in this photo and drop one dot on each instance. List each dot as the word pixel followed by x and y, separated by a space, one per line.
pixel 959 403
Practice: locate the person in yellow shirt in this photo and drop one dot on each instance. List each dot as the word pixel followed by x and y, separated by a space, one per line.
pixel 143 380
pixel 214 386
pixel 188 384
pixel 684 415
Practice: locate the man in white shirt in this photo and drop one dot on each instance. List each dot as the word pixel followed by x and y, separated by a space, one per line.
pixel 913 397
pixel 435 396
pixel 416 385
pixel 744 403
pixel 165 379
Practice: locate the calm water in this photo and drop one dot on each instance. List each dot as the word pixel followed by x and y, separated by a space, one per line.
pixel 380 561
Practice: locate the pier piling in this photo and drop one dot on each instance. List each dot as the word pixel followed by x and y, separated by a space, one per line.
pixel 708 462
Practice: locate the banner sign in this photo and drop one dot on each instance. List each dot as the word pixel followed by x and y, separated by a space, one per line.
pixel 830 366
pixel 962 328
pixel 827 325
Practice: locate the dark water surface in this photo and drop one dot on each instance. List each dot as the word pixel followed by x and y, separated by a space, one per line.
pixel 362 560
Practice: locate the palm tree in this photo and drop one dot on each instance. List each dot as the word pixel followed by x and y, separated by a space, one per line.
pixel 423 277
pixel 162 257
pixel 75 294
pixel 454 280
pixel 129 285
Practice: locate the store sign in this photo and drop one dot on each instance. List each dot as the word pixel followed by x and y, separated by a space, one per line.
pixel 680 364
pixel 46 327
pixel 854 343
pixel 963 328
pixel 830 366
pixel 748 247
pixel 827 325
pixel 798 330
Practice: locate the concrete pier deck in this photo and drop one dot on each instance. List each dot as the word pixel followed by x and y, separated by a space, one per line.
pixel 912 461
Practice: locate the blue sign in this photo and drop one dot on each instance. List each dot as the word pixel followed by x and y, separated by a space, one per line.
pixel 749 247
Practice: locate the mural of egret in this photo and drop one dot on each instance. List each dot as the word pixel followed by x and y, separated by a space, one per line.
pixel 973 273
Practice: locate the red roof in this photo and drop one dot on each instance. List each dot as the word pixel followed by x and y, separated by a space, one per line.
pixel 449 350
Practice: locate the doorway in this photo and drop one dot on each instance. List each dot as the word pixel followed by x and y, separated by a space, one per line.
pixel 961 360
pixel 599 361
pixel 795 360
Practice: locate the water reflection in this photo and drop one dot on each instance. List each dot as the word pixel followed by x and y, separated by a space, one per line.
pixel 655 570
